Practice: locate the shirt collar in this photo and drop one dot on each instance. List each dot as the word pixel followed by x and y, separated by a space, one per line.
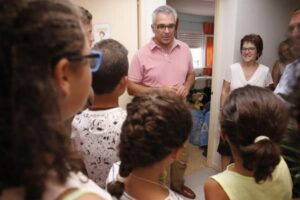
pixel 153 45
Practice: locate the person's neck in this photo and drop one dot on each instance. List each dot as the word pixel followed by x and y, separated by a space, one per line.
pixel 104 101
pixel 238 165
pixel 250 63
pixel 145 182
pixel 150 173
pixel 167 48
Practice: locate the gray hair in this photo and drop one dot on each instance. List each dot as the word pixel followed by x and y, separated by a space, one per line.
pixel 165 9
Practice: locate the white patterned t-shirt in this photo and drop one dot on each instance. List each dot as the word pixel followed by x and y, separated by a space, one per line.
pixel 96 134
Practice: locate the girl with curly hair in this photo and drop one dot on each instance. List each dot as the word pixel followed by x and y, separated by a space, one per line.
pixel 154 132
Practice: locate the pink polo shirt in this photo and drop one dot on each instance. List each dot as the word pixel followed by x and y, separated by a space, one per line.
pixel 151 66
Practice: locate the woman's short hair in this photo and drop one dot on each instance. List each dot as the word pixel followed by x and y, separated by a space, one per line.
pixel 254 39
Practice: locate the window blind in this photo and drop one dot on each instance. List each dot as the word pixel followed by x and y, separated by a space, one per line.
pixel 193 39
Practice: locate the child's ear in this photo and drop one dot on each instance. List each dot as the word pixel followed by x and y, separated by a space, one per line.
pixel 61 76
pixel 125 79
pixel 123 82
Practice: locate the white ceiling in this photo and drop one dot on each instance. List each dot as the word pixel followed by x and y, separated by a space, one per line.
pixel 195 7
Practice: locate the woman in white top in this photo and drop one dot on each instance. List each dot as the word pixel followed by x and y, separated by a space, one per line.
pixel 246 72
pixel 45 76
pixel 154 132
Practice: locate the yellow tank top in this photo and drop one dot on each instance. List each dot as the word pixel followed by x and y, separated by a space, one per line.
pixel 239 187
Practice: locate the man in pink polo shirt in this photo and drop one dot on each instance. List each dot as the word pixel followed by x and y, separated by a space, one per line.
pixel 164 64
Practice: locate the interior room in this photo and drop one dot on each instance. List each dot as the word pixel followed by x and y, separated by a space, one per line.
pixel 150 99
pixel 212 29
pixel 195 27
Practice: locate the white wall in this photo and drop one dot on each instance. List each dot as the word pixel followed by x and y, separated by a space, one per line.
pixel 269 19
pixel 123 19
pixel 234 19
pixel 225 25
pixel 195 7
pixel 146 9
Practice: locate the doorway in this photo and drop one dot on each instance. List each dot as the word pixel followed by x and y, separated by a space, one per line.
pixel 195 28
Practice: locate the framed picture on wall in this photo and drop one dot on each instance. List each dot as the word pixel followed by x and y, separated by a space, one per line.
pixel 101 31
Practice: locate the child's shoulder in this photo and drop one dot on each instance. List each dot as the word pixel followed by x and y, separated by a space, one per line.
pixel 213 191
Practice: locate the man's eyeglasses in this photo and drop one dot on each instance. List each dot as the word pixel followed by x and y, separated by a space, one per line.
pixel 248 49
pixel 94 58
pixel 162 27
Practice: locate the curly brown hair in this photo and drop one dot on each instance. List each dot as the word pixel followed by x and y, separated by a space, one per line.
pixel 156 124
pixel 34 36
pixel 249 112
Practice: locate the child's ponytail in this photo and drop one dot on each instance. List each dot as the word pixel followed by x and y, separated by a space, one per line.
pixel 261 157
pixel 116 188
pixel 254 120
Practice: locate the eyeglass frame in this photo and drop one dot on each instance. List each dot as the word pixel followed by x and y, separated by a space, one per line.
pixel 251 49
pixel 162 27
pixel 93 54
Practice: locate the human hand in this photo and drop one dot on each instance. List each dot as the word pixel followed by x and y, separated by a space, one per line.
pixel 182 90
pixel 169 88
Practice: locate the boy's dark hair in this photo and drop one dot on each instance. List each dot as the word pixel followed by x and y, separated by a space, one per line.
pixel 156 124
pixel 85 16
pixel 114 66
pixel 35 35
pixel 249 112
pixel 256 40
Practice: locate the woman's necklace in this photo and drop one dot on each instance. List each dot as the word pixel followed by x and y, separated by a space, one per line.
pixel 148 181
